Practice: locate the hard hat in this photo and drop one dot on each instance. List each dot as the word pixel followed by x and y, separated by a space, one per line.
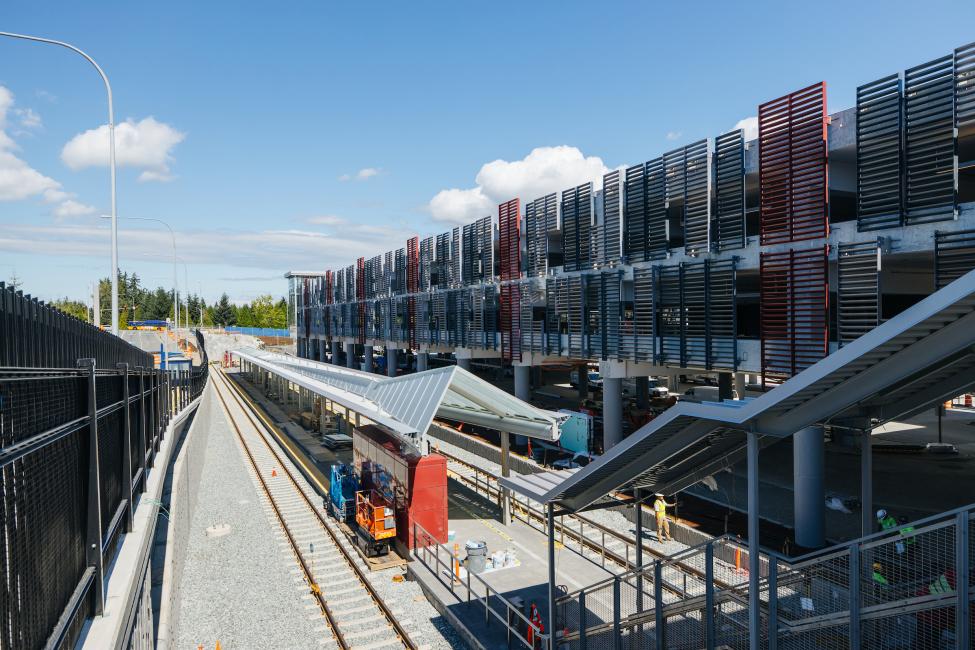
pixel 877 566
pixel 658 494
pixel 881 513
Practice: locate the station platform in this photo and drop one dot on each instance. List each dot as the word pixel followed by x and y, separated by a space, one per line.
pixel 472 518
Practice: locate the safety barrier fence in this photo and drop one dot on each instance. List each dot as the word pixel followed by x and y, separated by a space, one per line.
pixel 473 591
pixel 82 415
pixel 908 587
pixel 259 331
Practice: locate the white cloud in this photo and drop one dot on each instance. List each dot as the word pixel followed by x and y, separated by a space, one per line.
pixel 750 126
pixel 19 181
pixel 71 208
pixel 363 174
pixel 326 220
pixel 147 144
pixel 543 170
pixel 674 135
pixel 151 175
pixel 29 119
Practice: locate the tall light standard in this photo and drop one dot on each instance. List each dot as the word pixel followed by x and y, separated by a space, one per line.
pixel 111 160
pixel 173 236
pixel 186 296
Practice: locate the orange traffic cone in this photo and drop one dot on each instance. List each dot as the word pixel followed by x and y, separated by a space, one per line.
pixel 274 472
pixel 218 646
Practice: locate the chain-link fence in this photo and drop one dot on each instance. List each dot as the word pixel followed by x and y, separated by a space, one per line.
pixel 909 587
pixel 82 414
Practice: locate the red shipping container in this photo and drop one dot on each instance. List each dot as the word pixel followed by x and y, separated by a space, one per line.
pixel 416 484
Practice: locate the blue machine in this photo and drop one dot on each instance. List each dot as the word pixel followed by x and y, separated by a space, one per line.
pixel 343 484
pixel 576 432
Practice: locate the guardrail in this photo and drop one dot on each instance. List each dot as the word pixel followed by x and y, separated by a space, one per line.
pixel 474 589
pixel 82 414
pixel 259 331
pixel 909 587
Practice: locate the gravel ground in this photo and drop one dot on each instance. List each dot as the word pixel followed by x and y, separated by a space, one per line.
pixel 239 589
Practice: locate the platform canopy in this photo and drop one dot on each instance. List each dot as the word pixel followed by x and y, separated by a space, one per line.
pixel 408 404
pixel 920 358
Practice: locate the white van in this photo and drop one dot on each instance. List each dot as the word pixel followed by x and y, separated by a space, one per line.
pixel 705 394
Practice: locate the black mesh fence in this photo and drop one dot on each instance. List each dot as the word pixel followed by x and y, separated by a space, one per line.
pixel 66 498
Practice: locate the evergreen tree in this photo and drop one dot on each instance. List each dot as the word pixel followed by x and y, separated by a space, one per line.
pixel 223 312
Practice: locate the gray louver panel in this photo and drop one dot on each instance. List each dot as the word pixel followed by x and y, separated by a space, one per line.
pixel 455 320
pixel 722 315
pixel 576 299
pixel 555 307
pixel 441 275
pixel 694 297
pixel 688 185
pixel 426 263
pixel 531 330
pixel 438 323
pixel 729 190
pixel 879 162
pixel 929 153
pixel 954 256
pixel 541 218
pixel 965 85
pixel 857 290
pixel 399 274
pixel 455 259
pixel 671 315
pixel 605 341
pixel 636 214
pixel 607 236
pixel 644 309
pixel 388 274
pixel 577 213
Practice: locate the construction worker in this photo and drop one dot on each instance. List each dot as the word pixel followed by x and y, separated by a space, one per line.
pixel 660 506
pixel 880 581
pixel 887 522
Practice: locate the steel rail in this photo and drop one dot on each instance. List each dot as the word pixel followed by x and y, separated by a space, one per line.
pixel 305 570
pixel 248 408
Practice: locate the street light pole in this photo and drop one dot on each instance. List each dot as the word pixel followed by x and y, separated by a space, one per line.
pixel 111 159
pixel 175 284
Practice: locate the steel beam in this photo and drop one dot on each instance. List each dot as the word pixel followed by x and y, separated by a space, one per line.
pixel 754 595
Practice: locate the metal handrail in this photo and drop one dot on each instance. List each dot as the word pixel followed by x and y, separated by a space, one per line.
pixel 488 611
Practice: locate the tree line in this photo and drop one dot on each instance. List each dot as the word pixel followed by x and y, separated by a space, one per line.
pixel 141 303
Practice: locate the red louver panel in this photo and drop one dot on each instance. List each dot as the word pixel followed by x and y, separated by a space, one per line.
pixel 412 285
pixel 792 166
pixel 360 294
pixel 510 257
pixel 794 312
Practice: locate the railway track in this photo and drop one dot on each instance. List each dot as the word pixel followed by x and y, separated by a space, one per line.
pixel 354 611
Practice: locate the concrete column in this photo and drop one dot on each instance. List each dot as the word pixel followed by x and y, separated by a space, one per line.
pixel 642 392
pixel 754 595
pixel 866 483
pixel 464 362
pixel 740 384
pixel 673 382
pixel 505 472
pixel 336 353
pixel 350 356
pixel 724 386
pixel 367 358
pixel 391 360
pixel 323 351
pixel 523 389
pixel 612 412
pixel 422 361
pixel 809 495
pixel 582 383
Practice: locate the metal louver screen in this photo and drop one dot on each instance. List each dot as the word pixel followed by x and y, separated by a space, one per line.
pixel 455 259
pixel 425 267
pixel 577 212
pixel 607 237
pixel 954 256
pixel 857 290
pixel 556 297
pixel 794 311
pixel 670 304
pixel 636 214
pixel 399 277
pixel 929 147
pixel 576 310
pixel 695 299
pixel 423 319
pixel 729 190
pixel 879 162
pixel 694 188
pixel 722 315
pixel 609 312
pixel 965 85
pixel 792 166
pixel 541 218
pixel 644 310
pixel 510 240
pixel 441 275
pixel 532 331
pixel 438 324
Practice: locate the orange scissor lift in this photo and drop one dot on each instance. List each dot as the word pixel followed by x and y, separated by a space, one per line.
pixel 375 521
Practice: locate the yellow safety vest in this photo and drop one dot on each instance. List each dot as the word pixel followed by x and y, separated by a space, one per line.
pixel 940 586
pixel 660 507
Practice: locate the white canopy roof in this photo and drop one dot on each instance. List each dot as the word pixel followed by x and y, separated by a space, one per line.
pixel 407 405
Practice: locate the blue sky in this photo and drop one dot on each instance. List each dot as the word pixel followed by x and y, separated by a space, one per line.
pixel 303 135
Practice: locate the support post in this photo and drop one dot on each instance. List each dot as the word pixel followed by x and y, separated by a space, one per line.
pixel 963 567
pixel 523 390
pixel 336 353
pixel 551 572
pixel 617 615
pixel 367 358
pixel 350 356
pixel 854 581
pixel 127 447
pixel 391 361
pixel 93 536
pixel 866 482
pixel 582 382
pixel 505 472
pixel 773 604
pixel 143 418
pixel 642 392
pixel 464 363
pixel 612 412
pixel 582 619
pixel 709 630
pixel 724 386
pixel 660 627
pixel 809 496
pixel 754 596
pixel 638 551
pixel 422 361
pixel 740 384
